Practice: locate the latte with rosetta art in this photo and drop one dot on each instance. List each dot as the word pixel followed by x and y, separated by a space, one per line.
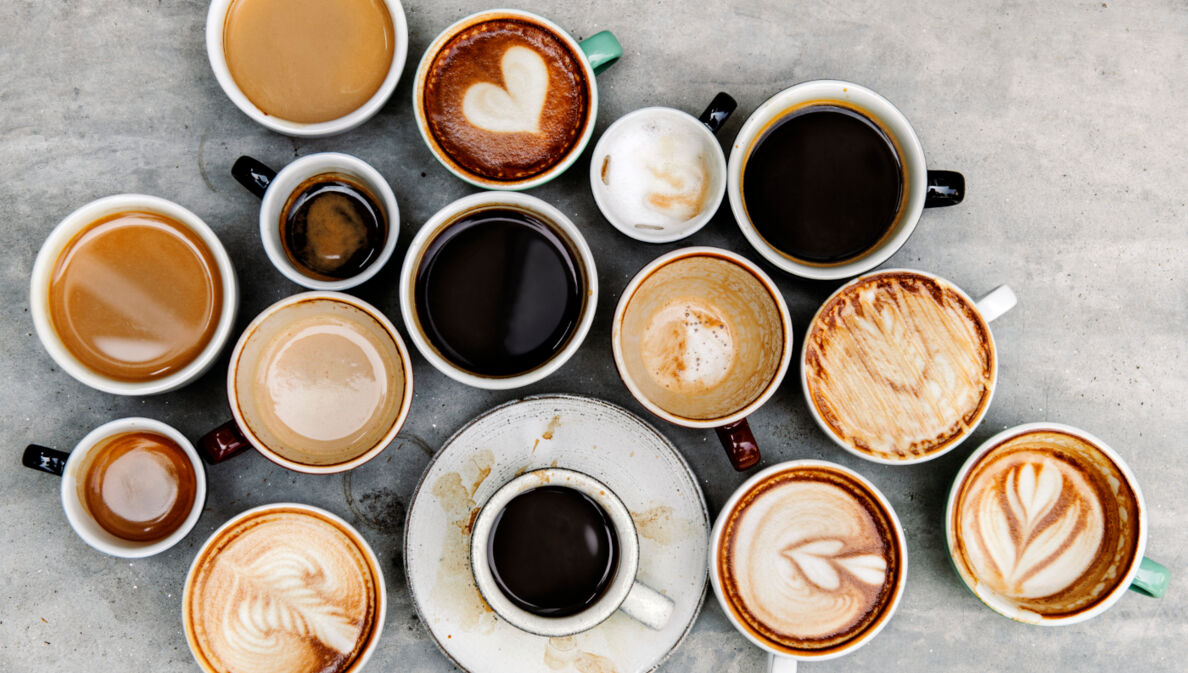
pixel 1046 525
pixel 506 99
pixel 899 366
pixel 282 590
pixel 810 561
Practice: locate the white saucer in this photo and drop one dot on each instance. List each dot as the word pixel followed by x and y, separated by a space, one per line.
pixel 588 435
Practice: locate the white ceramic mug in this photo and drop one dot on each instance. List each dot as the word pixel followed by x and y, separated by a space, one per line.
pixel 69 465
pixel 921 187
pixel 274 190
pixel 705 127
pixel 64 233
pixel 624 592
pixel 780 660
pixel 216 18
pixel 449 215
pixel 990 307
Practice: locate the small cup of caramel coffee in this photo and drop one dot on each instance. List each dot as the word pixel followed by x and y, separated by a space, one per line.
pixel 132 487
pixel 133 295
pixel 506 99
pixel 328 221
pixel 307 68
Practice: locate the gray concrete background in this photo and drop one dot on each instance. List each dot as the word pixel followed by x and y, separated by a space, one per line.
pixel 1067 119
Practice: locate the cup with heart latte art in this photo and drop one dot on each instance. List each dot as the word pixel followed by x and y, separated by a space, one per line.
pixel 506 99
pixel 1046 525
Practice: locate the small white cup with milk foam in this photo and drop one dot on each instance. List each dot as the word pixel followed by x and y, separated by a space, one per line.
pixel 658 174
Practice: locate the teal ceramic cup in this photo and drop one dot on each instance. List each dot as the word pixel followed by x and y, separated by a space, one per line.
pixel 1046 525
pixel 506 99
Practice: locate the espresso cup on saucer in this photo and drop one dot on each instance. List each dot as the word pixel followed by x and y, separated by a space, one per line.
pixel 1046 525
pixel 320 382
pixel 133 295
pixel 498 290
pixel 132 487
pixel 658 174
pixel 798 163
pixel 284 588
pixel 307 69
pixel 555 552
pixel 506 99
pixel 328 221
pixel 702 338
pixel 899 366
pixel 808 561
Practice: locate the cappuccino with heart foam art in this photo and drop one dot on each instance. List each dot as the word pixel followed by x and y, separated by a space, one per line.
pixel 506 99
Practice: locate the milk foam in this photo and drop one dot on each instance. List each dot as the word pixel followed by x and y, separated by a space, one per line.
pixel 807 562
pixel 514 107
pixel 656 173
pixel 688 345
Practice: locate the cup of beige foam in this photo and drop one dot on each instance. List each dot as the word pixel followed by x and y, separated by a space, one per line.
pixel 658 174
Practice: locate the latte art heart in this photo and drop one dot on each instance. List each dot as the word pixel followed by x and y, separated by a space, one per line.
pixel 516 106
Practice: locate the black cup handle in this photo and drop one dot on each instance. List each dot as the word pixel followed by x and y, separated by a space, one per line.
pixel 45 459
pixel 718 111
pixel 945 188
pixel 253 175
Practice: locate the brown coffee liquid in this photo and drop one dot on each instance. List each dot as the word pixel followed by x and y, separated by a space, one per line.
pixel 823 185
pixel 135 296
pixel 308 61
pixel 332 227
pixel 498 292
pixel 139 486
pixel 553 551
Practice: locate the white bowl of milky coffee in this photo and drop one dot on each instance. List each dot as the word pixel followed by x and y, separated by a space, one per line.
pixel 899 366
pixel 307 68
pixel 284 587
pixel 808 560
pixel 1046 525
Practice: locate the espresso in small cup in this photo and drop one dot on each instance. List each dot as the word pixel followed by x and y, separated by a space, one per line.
pixel 284 588
pixel 899 366
pixel 332 227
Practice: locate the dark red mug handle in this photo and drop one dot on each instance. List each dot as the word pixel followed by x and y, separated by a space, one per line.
pixel 222 443
pixel 739 444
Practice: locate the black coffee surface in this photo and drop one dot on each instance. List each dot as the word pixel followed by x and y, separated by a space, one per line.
pixel 332 228
pixel 498 292
pixel 823 185
pixel 553 551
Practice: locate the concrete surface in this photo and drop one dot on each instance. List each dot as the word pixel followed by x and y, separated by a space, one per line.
pixel 1067 119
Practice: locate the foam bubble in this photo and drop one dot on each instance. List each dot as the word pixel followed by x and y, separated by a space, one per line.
pixel 688 345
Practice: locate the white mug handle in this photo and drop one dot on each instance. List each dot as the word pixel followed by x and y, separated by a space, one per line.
pixel 1000 300
pixel 778 664
pixel 647 606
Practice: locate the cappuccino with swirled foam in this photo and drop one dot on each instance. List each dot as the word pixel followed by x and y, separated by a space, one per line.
pixel 809 560
pixel 899 365
pixel 505 98
pixel 1044 524
pixel 283 588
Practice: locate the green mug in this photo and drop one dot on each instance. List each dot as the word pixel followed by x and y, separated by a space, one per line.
pixel 506 99
pixel 1046 525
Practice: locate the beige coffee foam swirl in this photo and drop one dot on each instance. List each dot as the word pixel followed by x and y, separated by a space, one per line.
pixel 1046 523
pixel 807 564
pixel 283 592
pixel 899 365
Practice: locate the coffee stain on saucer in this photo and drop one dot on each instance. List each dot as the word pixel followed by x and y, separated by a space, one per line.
pixel 562 653
pixel 551 428
pixel 660 526
pixel 454 492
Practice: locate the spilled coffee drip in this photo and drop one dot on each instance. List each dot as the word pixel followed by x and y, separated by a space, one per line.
pixel 899 365
pixel 809 560
pixel 1046 523
pixel 138 486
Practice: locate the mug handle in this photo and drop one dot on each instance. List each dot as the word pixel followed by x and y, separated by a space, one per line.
pixel 1151 579
pixel 253 175
pixel 739 443
pixel 999 300
pixel 222 443
pixel 945 188
pixel 718 111
pixel 647 606
pixel 778 664
pixel 45 459
pixel 602 50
